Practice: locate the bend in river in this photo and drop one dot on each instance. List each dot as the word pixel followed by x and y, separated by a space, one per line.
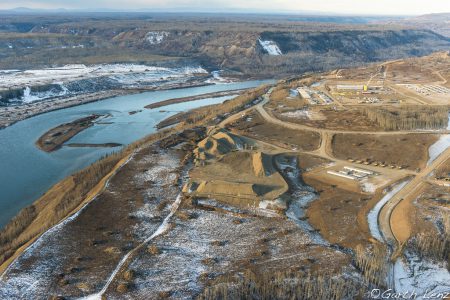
pixel 27 172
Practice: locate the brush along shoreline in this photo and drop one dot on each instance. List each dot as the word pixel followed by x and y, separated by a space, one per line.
pixel 19 234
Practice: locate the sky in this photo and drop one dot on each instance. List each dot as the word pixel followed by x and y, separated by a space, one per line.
pixel 366 7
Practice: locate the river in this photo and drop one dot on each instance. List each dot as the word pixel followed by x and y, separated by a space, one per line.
pixel 27 172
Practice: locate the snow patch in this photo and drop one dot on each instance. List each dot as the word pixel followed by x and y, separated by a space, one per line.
pixel 421 276
pixel 298 114
pixel 368 187
pixel 302 195
pixel 270 47
pixel 437 148
pixel 161 229
pixel 65 81
pixel 218 79
pixel 156 37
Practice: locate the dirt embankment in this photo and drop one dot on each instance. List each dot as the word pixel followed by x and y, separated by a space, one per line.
pixel 67 197
pixel 254 126
pixel 194 98
pixel 54 138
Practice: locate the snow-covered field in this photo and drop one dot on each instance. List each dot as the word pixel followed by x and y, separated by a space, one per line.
pixel 270 47
pixel 75 79
pixel 15 78
pixel 427 279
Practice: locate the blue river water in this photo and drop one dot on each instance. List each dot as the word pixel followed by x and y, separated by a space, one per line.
pixel 27 172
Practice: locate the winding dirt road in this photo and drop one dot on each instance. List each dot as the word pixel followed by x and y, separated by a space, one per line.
pixel 393 219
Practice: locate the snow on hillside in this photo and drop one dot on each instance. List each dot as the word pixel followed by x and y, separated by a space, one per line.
pixel 76 79
pixel 429 280
pixel 270 47
pixel 10 79
pixel 156 37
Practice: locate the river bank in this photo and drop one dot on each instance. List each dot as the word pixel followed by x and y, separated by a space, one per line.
pixel 14 114
pixel 22 188
pixel 53 139
pixel 194 98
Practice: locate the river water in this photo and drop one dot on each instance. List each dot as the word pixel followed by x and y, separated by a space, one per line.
pixel 27 172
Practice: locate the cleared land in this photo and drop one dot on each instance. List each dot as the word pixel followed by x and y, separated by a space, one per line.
pixel 253 125
pixel 329 118
pixel 336 213
pixel 247 206
pixel 385 150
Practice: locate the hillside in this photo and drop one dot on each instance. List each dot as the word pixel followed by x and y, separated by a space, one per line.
pixel 216 42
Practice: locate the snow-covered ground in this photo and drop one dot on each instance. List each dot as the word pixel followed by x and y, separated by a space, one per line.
pixel 218 79
pixel 428 280
pixel 76 79
pixel 372 217
pixel 270 47
pixel 14 78
pixel 368 187
pixel 300 114
pixel 440 146
pixel 156 37
pixel 302 195
pixel 437 148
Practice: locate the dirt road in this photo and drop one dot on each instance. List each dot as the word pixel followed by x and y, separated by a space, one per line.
pixel 394 217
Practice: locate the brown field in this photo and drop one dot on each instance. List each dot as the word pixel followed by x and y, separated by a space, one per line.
pixel 307 162
pixel 280 98
pixel 336 213
pixel 443 171
pixel 328 118
pixel 386 149
pixel 411 71
pixel 431 209
pixel 254 126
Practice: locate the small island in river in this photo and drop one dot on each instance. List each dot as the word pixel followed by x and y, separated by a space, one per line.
pixel 54 138
pixel 194 98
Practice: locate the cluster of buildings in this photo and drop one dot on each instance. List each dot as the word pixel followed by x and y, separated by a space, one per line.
pixel 428 89
pixel 352 173
pixel 314 97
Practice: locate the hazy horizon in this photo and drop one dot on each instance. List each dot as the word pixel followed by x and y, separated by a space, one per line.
pixel 348 7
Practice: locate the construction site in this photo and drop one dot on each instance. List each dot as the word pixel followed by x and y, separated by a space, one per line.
pixel 341 176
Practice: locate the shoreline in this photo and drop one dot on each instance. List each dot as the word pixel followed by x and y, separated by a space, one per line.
pixel 92 194
pixel 84 145
pixel 77 100
pixel 45 205
pixel 56 137
pixel 194 98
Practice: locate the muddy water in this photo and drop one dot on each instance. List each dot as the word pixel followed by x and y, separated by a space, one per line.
pixel 26 172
